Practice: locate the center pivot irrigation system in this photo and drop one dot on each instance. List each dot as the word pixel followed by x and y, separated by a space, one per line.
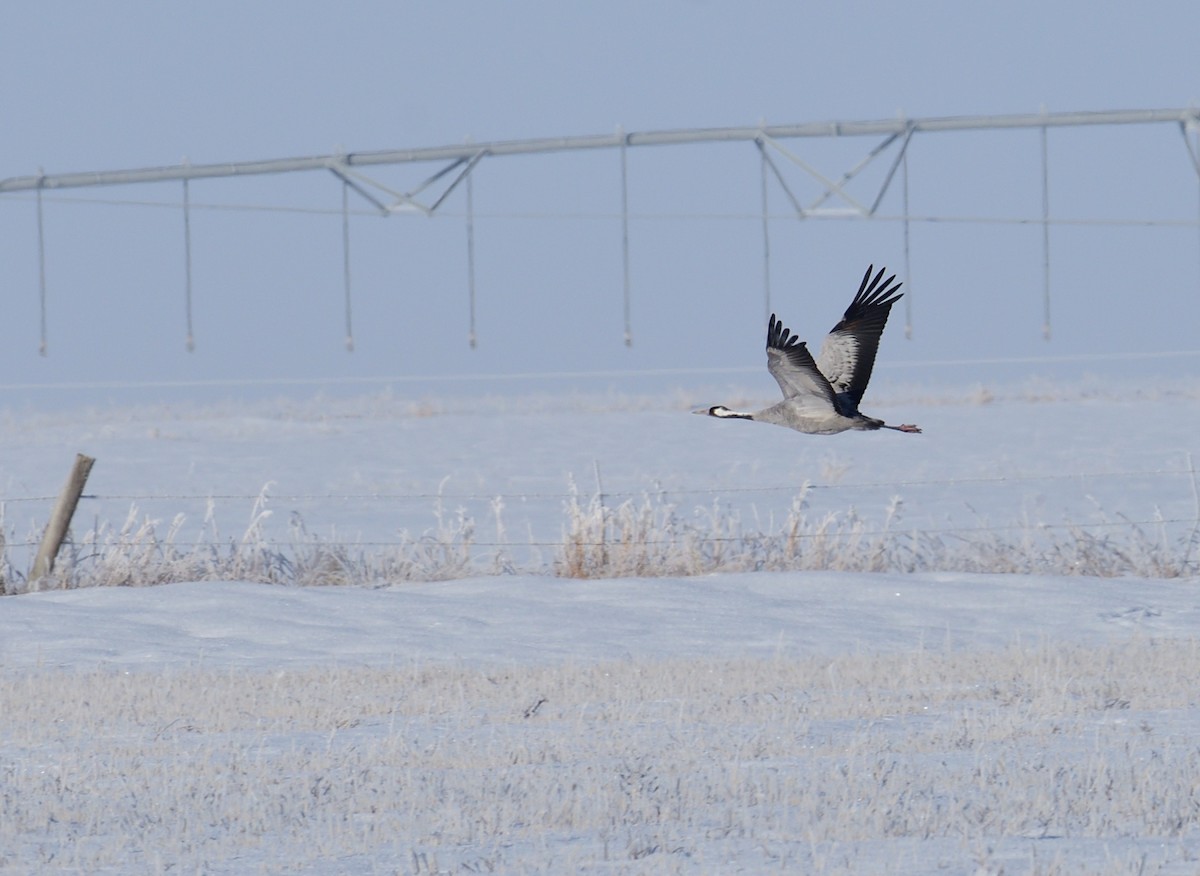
pixel 458 162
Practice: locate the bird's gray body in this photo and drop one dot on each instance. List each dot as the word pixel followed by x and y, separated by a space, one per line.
pixel 790 415
pixel 821 396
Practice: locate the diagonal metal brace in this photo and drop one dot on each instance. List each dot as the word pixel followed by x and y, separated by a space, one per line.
pixel 470 165
pixel 853 172
pixel 799 208
pixel 831 186
pixel 887 181
pixel 347 176
pixel 403 201
pixel 838 187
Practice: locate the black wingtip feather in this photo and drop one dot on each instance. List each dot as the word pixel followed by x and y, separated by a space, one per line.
pixel 873 294
pixel 788 343
pixel 866 278
pixel 779 337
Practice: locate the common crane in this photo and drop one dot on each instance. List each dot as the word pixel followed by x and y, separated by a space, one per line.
pixel 821 397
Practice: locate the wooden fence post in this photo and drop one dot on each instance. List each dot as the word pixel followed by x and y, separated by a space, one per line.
pixel 60 519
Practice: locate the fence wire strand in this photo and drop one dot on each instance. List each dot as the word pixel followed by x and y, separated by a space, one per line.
pixel 615 498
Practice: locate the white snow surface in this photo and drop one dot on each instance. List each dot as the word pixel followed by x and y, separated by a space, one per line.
pixel 1018 459
pixel 520 620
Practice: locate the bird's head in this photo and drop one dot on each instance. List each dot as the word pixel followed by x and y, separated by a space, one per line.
pixel 715 411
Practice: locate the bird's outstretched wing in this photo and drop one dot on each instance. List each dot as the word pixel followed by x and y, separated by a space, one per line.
pixel 848 353
pixel 794 370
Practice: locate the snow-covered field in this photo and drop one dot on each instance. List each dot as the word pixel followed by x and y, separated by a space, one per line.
pixel 506 717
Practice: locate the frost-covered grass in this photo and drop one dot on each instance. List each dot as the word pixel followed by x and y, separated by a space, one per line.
pixel 140 552
pixel 1049 759
pixel 648 536
pixel 651 537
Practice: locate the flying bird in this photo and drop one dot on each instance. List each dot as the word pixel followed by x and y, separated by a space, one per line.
pixel 821 397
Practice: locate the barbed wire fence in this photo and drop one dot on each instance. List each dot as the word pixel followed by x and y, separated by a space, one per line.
pixel 649 532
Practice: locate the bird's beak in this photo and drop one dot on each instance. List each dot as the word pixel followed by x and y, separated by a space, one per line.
pixel 701 411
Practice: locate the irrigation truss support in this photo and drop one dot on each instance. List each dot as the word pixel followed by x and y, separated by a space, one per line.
pixel 459 161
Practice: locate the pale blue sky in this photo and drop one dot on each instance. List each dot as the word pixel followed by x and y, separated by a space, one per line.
pixel 90 86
